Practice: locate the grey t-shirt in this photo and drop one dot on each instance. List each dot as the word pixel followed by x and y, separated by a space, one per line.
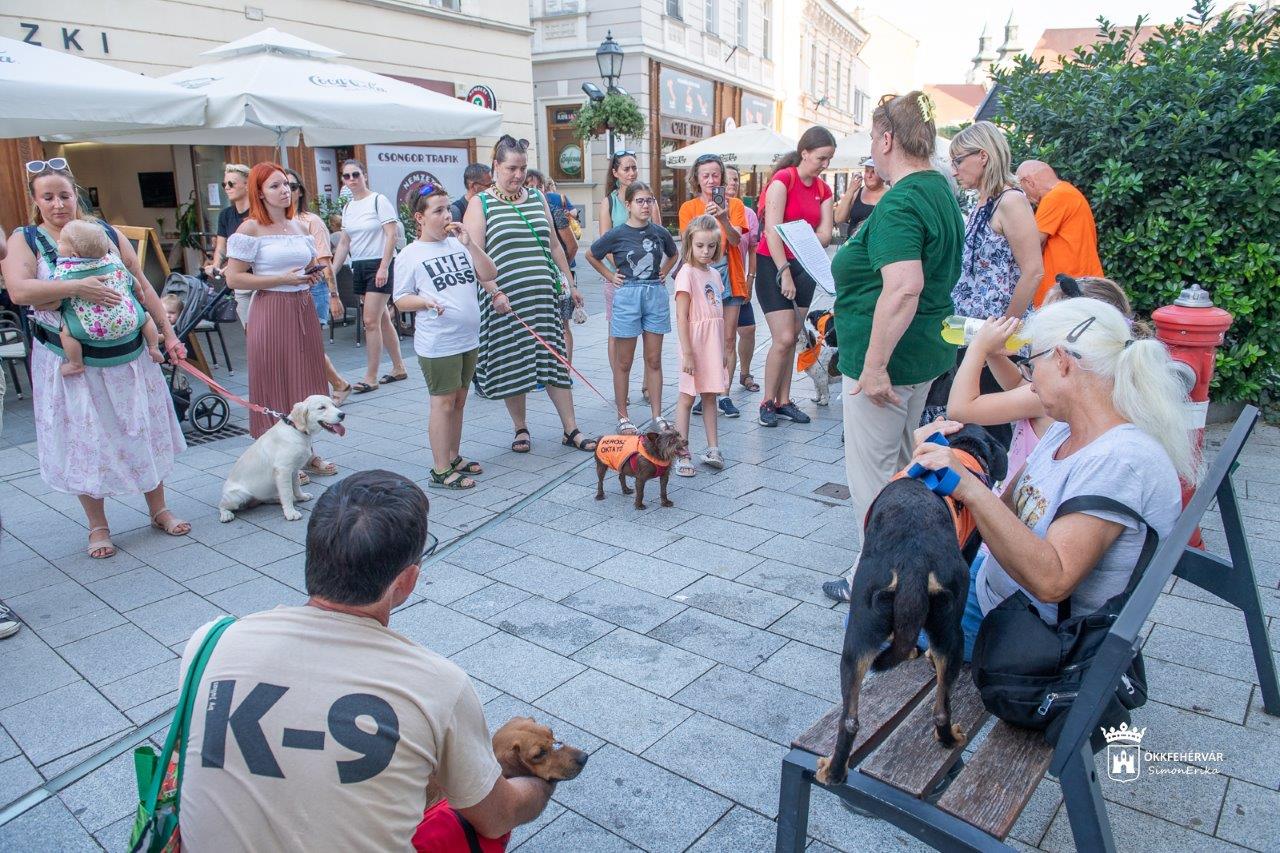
pixel 637 252
pixel 1125 464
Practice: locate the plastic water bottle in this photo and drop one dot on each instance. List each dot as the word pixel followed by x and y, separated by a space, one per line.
pixel 432 312
pixel 959 331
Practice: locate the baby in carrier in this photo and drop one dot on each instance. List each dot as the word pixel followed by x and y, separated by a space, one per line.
pixel 84 250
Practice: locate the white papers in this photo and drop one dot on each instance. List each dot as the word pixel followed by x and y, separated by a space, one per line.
pixel 800 238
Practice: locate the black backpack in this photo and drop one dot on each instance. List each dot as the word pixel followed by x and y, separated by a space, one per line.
pixel 1029 673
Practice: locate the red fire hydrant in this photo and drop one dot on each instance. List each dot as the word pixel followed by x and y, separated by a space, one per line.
pixel 1193 329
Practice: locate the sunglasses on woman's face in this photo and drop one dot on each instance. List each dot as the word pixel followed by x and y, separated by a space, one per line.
pixel 230 184
pixel 294 187
pixel 57 164
pixel 350 176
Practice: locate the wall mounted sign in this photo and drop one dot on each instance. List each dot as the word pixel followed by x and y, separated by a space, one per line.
pixel 757 109
pixel 397 171
pixel 686 96
pixel 482 96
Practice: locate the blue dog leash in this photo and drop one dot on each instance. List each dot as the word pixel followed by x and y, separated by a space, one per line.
pixel 942 482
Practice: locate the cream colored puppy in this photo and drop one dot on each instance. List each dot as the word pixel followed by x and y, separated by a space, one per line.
pixel 267 472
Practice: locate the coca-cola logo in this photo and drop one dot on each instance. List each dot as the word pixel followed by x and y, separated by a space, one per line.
pixel 197 82
pixel 345 83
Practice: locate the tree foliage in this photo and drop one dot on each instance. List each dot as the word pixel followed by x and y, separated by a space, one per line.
pixel 1174 141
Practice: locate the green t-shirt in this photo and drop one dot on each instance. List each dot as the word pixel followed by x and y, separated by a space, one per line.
pixel 918 219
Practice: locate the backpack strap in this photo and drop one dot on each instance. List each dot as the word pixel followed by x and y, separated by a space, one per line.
pixel 1085 503
pixel 39 245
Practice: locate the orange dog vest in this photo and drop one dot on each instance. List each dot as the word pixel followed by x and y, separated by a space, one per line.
pixel 961 517
pixel 808 357
pixel 615 451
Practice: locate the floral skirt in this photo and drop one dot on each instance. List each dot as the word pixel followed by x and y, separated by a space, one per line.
pixel 106 431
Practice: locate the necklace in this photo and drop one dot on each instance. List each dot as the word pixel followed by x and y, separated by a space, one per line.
pixel 509 199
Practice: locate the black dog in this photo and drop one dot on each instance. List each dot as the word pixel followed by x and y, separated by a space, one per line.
pixel 913 574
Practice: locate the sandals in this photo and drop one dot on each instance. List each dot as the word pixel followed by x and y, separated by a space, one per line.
pixel 303 479
pixel 340 395
pixel 451 479
pixel 626 427
pixel 749 382
pixel 522 445
pixel 320 467
pixel 578 441
pixel 662 423
pixel 175 527
pixel 102 544
pixel 388 378
pixel 465 466
pixel 684 466
pixel 363 388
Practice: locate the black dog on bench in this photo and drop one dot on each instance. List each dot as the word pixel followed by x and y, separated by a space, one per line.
pixel 913 574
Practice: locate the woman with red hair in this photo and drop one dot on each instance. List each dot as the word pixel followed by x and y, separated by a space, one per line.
pixel 270 254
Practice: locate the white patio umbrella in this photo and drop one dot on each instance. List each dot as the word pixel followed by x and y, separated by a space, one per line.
pixel 45 91
pixel 851 150
pixel 748 145
pixel 272 88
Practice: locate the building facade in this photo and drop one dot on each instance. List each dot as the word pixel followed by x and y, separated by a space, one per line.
pixel 695 67
pixel 449 46
pixel 823 79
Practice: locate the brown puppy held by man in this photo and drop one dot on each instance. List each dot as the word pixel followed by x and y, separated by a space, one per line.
pixel 640 456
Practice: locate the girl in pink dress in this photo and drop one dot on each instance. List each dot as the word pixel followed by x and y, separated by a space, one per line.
pixel 704 369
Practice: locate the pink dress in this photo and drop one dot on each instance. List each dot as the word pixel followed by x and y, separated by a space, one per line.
pixel 706 332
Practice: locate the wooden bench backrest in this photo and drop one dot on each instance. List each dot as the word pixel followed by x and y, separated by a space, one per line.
pixel 1123 640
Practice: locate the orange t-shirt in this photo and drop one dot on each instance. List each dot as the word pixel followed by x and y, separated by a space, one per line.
pixel 1072 247
pixel 694 208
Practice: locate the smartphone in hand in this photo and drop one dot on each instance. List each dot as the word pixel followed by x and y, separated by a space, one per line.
pixel 313 269
pixel 717 195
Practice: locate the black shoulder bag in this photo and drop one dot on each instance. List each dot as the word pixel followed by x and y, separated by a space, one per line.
pixel 1029 673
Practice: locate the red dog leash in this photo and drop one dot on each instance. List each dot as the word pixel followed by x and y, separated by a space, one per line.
pixel 561 358
pixel 208 380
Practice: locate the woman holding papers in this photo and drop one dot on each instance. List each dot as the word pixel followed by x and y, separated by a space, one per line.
pixel 893 289
pixel 783 288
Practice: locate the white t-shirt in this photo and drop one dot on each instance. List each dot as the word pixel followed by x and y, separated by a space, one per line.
pixel 1125 464
pixel 363 219
pixel 316 730
pixel 443 273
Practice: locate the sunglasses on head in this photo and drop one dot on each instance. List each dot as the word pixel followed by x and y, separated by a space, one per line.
pixel 506 140
pixel 351 176
pixel 427 189
pixel 1069 286
pixel 625 152
pixel 57 164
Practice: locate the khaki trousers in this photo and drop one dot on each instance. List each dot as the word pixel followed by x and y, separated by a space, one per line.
pixel 878 440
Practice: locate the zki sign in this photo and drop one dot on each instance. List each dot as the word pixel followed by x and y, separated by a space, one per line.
pixel 399 171
pixel 68 38
pixel 685 96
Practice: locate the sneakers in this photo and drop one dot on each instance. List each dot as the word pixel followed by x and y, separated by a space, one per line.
pixel 9 625
pixel 728 408
pixel 790 411
pixel 697 406
pixel 712 459
pixel 768 414
pixel 837 590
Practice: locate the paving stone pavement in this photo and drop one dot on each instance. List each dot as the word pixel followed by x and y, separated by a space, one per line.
pixel 682 647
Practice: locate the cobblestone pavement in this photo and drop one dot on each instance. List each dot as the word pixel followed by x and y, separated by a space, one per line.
pixel 683 647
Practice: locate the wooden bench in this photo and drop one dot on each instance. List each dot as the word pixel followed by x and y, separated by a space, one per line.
pixel 900 773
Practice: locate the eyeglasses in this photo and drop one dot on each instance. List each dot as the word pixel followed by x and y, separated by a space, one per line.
pixel 432 543
pixel 956 161
pixel 1026 368
pixel 294 187
pixel 230 185
pixel 57 164
pixel 618 155
pixel 350 176
pixel 644 201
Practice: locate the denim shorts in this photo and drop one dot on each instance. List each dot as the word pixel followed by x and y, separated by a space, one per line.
pixel 320 296
pixel 640 306
pixel 726 285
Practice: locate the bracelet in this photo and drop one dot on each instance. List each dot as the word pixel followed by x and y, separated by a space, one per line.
pixel 784 267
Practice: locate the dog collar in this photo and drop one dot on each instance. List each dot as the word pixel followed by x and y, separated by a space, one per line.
pixel 285 420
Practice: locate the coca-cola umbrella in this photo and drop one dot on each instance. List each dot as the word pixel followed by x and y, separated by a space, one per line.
pixel 272 88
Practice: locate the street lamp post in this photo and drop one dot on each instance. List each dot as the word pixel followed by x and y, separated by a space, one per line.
pixel 609 61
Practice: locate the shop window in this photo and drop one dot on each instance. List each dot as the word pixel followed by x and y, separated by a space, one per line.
pixel 675 9
pixel 565 154
pixel 562 7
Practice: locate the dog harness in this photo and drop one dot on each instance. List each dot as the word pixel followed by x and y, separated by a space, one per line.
pixel 809 357
pixel 617 451
pixel 445 830
pixel 942 484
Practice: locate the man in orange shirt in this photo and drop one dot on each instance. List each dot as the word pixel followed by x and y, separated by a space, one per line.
pixel 1068 234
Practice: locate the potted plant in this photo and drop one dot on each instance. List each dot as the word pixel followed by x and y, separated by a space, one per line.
pixel 618 113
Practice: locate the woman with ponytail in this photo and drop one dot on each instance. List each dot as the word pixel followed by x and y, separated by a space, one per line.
pixel 1119 433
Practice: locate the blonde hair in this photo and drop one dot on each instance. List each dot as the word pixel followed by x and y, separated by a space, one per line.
pixel 909 118
pixel 1096 287
pixel 172 302
pixel 239 168
pixel 997 173
pixel 697 225
pixel 1145 388
pixel 86 239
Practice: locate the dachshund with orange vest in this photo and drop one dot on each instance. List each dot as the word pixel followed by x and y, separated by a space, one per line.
pixel 642 457
pixel 913 574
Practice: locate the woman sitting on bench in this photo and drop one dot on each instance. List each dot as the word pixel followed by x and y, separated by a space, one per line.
pixel 1119 433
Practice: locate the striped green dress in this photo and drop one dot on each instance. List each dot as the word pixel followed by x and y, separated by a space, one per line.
pixel 511 361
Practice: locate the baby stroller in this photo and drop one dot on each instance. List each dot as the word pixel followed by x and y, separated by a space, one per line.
pixel 210 411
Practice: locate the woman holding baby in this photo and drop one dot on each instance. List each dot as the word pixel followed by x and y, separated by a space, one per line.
pixel 108 430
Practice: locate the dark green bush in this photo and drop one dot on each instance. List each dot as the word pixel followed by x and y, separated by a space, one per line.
pixel 1174 142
